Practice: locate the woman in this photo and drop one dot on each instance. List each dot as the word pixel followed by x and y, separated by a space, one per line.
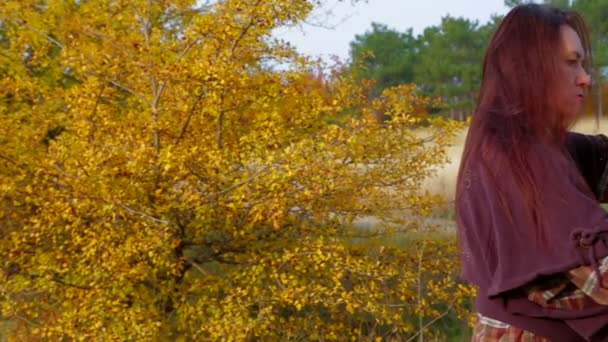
pixel 532 233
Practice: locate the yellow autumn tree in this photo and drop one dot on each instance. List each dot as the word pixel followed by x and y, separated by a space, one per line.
pixel 168 170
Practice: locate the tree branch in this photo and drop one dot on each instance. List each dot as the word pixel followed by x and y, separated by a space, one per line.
pixel 239 184
pixel 59 281
pixel 433 321
pixel 420 318
pixel 182 132
pixel 23 319
pixel 94 112
pixel 128 90
pixel 45 35
pixel 198 267
pixel 9 159
pixel 131 210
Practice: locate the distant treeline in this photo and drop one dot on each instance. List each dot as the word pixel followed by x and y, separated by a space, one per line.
pixel 445 60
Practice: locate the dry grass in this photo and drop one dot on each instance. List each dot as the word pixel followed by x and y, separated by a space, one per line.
pixel 444 181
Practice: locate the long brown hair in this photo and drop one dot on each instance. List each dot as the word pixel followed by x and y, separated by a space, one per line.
pixel 514 108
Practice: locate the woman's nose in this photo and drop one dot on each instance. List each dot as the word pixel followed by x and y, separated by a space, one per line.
pixel 583 79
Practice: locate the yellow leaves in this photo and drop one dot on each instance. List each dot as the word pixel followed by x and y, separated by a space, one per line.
pixel 193 191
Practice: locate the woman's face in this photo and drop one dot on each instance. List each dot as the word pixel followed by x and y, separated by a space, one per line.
pixel 571 89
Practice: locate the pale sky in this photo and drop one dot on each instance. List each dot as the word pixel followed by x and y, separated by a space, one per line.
pixel 400 15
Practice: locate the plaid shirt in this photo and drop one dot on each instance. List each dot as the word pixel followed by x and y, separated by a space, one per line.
pixel 565 293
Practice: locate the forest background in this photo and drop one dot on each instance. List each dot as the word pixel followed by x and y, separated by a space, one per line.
pixel 171 171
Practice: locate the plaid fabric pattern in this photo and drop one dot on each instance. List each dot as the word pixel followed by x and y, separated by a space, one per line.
pixel 565 293
pixel 563 296
pixel 489 330
pixel 586 280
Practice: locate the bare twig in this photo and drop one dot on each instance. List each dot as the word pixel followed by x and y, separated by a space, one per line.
pixel 241 36
pixel 23 319
pixel 419 332
pixel 62 171
pixel 420 318
pixel 182 132
pixel 198 267
pixel 59 281
pixel 40 32
pixel 220 124
pixel 157 88
pixel 234 186
pixel 94 112
pixel 131 210
pixel 9 159
pixel 321 20
pixel 128 90
pixel 187 49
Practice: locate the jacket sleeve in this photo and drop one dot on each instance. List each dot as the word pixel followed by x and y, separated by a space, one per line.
pixel 590 153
